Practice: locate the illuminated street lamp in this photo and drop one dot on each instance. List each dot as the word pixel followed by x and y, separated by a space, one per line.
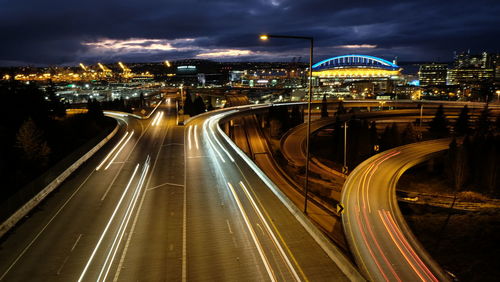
pixel 311 40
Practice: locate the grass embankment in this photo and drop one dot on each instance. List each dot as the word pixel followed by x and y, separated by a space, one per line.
pixel 466 243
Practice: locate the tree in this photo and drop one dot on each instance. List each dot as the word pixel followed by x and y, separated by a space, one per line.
pixel 141 100
pixel 341 109
pixel 458 161
pixel 34 148
pixel 438 127
pixel 462 123
pixel 395 135
pixel 324 107
pixel 410 135
pixel 210 107
pixel 483 124
pixel 94 109
pixel 188 105
pixel 199 105
pixel 373 137
pixel 295 116
pixel 56 107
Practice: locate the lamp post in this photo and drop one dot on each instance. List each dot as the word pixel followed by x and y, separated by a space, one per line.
pixel 311 41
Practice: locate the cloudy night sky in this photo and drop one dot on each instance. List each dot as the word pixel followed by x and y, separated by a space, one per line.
pixel 57 32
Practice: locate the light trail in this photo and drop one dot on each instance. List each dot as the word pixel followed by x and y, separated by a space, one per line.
pixel 121 148
pixel 196 136
pixel 253 235
pixel 212 126
pixel 270 232
pixel 108 225
pixel 155 119
pixel 110 153
pixel 123 226
pixel 189 137
pixel 207 135
pixel 391 225
pixel 160 116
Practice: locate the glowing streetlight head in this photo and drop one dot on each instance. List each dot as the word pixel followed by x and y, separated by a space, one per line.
pixel 167 63
pixel 264 37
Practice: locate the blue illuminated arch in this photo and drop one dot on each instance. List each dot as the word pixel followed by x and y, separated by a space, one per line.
pixel 354 61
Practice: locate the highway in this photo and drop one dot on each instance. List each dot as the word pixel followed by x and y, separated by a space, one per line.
pixel 162 202
pixel 383 245
pixel 79 232
pixel 248 234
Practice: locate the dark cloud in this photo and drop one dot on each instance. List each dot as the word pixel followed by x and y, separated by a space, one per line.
pixel 57 31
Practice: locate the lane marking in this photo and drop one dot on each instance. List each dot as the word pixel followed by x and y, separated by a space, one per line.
pixel 134 223
pixel 76 242
pixel 45 227
pixel 272 235
pixel 62 265
pixel 119 151
pixel 107 225
pixel 256 241
pixel 229 226
pixel 111 152
pixel 165 184
pixel 124 223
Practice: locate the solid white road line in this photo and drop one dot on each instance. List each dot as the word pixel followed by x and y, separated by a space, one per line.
pixel 111 152
pixel 108 225
pixel 123 226
pixel 270 232
pixel 252 233
pixel 121 148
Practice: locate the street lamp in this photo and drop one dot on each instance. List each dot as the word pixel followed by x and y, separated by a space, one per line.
pixel 311 40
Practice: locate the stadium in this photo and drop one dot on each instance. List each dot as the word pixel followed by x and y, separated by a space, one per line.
pixel 356 67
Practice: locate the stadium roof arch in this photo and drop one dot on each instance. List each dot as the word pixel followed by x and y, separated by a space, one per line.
pixel 354 61
pixel 356 67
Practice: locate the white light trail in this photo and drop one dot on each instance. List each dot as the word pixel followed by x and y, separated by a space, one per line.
pixel 108 225
pixel 189 137
pixel 159 119
pixel 121 148
pixel 205 128
pixel 157 116
pixel 196 136
pixel 110 153
pixel 252 233
pixel 123 226
pixel 213 124
pixel 270 232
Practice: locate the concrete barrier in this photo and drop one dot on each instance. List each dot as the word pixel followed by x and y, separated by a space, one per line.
pixel 26 208
pixel 335 254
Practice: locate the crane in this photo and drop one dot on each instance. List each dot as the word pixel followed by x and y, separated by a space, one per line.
pixel 83 67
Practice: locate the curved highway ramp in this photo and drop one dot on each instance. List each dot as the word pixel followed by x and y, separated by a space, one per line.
pixel 383 245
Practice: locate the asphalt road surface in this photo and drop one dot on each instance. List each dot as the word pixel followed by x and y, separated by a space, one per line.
pixel 162 202
pixel 383 245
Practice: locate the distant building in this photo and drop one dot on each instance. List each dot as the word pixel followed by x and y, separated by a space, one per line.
pixel 475 74
pixel 466 76
pixel 433 74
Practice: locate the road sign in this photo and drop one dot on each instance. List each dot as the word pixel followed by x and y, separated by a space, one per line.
pixel 345 170
pixel 340 209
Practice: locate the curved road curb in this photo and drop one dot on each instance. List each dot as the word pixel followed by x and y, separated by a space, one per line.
pixel 26 208
pixel 331 250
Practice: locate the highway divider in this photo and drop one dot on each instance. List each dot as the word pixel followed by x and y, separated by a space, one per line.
pixel 335 254
pixel 38 198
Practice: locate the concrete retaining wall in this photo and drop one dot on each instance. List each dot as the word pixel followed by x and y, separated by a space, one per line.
pixel 26 208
